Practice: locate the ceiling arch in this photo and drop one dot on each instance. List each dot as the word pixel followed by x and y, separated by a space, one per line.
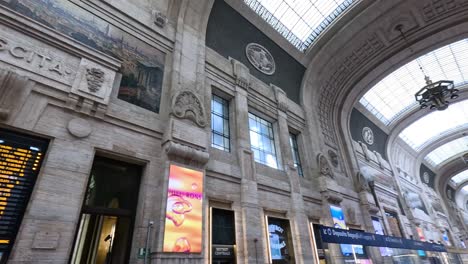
pixel 448 151
pixel 435 124
pixel 392 96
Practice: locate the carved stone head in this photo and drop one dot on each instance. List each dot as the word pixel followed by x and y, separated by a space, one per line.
pixel 324 166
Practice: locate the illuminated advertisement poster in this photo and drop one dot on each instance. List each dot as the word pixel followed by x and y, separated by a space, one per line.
pixel 380 231
pixel 339 222
pixel 446 239
pixel 421 253
pixel 280 242
pixel 183 227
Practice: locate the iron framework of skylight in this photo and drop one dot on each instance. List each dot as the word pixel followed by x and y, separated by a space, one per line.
pixel 299 21
pixel 447 151
pixel 394 95
pixel 438 123
pixel 460 177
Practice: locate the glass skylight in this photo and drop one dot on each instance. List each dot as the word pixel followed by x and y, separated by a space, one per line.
pixel 447 151
pixel 299 21
pixel 394 94
pixel 436 124
pixel 460 177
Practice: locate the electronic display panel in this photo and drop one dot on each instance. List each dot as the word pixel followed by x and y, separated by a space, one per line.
pixel 20 161
pixel 184 211
pixel 378 228
pixel 339 222
pixel 279 240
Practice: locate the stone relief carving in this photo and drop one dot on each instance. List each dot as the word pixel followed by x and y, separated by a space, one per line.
pixel 260 58
pixel 426 177
pixel 160 19
pixel 79 127
pixel 187 105
pixel 95 79
pixel 362 182
pixel 333 158
pixel 324 166
pixel 351 215
pixel 368 135
pixel 241 72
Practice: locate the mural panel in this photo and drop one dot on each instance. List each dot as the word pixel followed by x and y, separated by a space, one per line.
pixel 142 65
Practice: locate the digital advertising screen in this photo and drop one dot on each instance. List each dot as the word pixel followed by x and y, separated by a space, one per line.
pixel 339 222
pixel 20 162
pixel 184 211
pixel 279 240
pixel 446 239
pixel 380 231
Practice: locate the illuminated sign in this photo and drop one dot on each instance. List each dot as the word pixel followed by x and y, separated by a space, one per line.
pixel 279 240
pixel 339 222
pixel 183 227
pixel 20 161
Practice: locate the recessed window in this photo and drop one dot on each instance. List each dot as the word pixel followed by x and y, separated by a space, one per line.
pixel 219 123
pixel 295 153
pixel 262 141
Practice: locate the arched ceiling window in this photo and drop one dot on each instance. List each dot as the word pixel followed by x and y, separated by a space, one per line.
pixel 460 177
pixel 435 124
pixel 445 152
pixel 394 94
pixel 299 21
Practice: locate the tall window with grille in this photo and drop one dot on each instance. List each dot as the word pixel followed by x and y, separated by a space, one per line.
pixel 262 141
pixel 295 153
pixel 220 123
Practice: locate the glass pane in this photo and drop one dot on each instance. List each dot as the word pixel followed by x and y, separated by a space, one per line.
pixel 452 149
pixel 216 107
pixel 217 140
pixel 460 177
pixel 428 128
pixel 296 20
pixel 113 184
pixel 266 143
pixel 102 239
pixel 217 124
pixel 253 125
pixel 394 94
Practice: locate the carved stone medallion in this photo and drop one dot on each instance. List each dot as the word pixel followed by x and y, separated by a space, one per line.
pixel 187 105
pixel 260 58
pixel 426 177
pixel 95 78
pixel 368 135
pixel 324 166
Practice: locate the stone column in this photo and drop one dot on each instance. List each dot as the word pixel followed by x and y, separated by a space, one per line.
pixel 299 222
pixel 252 245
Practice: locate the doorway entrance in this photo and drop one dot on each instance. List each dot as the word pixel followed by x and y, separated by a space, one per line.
pixel 106 223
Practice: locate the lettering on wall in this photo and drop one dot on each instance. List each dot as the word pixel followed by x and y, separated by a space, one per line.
pixel 35 58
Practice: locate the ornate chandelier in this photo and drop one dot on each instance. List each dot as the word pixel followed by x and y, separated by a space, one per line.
pixel 436 95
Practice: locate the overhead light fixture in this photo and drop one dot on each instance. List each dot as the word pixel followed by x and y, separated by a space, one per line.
pixel 435 95
pixel 465 158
